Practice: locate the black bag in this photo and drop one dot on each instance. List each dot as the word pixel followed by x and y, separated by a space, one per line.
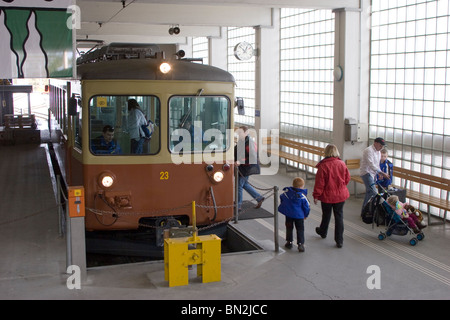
pixel 248 170
pixel 369 212
pixel 400 193
pixel 251 165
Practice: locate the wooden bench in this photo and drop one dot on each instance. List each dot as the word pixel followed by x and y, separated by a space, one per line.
pixel 20 121
pixel 300 158
pixel 299 148
pixel 443 184
pixel 409 176
pixel 356 178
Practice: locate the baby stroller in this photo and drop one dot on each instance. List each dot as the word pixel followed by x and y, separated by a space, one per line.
pixel 395 225
pixel 383 214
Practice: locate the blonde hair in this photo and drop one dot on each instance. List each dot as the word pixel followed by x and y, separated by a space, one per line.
pixel 392 200
pixel 298 183
pixel 331 151
pixel 384 151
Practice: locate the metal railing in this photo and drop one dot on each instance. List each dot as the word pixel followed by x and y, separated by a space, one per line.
pixel 64 228
pixel 268 193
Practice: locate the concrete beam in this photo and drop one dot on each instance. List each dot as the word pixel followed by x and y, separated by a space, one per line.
pixel 167 14
pixel 149 30
pixel 317 4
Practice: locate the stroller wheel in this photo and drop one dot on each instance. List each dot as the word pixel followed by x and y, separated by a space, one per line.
pixel 420 236
pixel 381 236
pixel 413 241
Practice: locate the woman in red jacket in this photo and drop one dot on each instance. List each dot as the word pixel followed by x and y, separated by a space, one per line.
pixel 331 189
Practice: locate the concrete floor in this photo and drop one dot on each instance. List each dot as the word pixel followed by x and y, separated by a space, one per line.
pixel 33 263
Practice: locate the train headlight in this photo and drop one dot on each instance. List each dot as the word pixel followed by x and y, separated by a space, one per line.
pixel 218 176
pixel 106 179
pixel 164 67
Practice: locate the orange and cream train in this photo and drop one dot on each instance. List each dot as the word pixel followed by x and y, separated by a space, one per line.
pixel 132 180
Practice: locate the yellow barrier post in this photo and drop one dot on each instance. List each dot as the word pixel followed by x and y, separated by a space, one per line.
pixel 194 222
pixel 180 253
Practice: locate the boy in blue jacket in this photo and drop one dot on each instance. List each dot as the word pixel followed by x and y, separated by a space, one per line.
pixel 387 167
pixel 295 206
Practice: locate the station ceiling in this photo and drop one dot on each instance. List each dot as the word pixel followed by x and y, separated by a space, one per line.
pixel 149 21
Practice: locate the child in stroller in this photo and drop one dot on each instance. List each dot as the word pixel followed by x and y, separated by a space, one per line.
pixel 406 213
pixel 399 221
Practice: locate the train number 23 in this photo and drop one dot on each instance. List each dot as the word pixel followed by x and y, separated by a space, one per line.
pixel 164 175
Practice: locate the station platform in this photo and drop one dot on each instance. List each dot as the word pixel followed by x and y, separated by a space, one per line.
pixel 33 255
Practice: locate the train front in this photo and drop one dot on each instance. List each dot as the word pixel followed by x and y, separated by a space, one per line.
pixel 147 148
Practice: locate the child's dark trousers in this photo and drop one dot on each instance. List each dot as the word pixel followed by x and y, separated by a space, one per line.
pixel 299 226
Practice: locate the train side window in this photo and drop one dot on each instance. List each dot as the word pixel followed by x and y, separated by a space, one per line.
pixel 78 130
pixel 198 123
pixel 124 125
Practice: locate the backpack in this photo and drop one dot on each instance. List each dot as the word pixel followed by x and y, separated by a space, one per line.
pixel 369 214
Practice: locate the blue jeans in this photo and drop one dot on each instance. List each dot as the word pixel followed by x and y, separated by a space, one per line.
pixel 371 189
pixel 137 146
pixel 244 185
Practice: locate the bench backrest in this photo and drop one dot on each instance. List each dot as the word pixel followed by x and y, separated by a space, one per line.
pixel 423 178
pixel 267 140
pixel 282 142
pixel 352 163
pixel 302 146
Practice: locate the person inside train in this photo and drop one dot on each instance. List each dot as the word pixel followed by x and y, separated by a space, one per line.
pixel 105 143
pixel 136 119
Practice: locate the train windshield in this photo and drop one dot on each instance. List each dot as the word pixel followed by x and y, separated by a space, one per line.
pixel 198 123
pixel 124 125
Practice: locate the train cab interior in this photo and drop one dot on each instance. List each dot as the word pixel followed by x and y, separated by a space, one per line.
pixel 112 111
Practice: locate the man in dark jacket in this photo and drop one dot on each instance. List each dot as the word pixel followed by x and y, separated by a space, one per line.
pixel 105 143
pixel 245 155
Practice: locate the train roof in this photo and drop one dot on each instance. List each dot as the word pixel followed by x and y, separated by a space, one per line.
pixel 148 69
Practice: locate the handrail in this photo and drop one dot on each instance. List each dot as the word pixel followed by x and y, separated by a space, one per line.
pixel 275 205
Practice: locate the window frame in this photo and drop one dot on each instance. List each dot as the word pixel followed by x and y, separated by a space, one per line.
pixel 228 124
pixel 128 96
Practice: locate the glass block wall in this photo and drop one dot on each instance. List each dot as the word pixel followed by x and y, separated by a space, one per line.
pixel 243 72
pixel 306 73
pixel 200 49
pixel 409 85
pixel 306 77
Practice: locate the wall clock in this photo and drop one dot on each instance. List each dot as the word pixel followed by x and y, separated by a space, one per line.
pixel 243 51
